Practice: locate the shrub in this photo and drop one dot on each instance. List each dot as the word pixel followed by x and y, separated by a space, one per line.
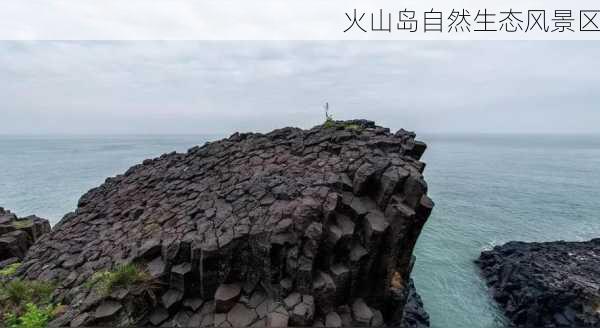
pixel 32 317
pixel 128 276
pixel 26 304
pixel 10 269
pixel 16 293
pixel 329 122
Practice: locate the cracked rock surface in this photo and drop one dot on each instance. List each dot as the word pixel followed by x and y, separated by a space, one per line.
pixel 551 284
pixel 293 227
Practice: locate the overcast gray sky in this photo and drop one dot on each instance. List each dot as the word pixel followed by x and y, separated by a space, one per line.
pixel 187 87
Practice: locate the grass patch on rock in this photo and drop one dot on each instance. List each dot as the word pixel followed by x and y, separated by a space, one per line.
pixel 20 224
pixel 128 276
pixel 10 269
pixel 341 125
pixel 353 127
pixel 330 123
pixel 16 293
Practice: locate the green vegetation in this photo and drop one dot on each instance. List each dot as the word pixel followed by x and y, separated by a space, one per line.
pixel 32 317
pixel 16 293
pixel 330 123
pixel 26 304
pixel 10 269
pixel 128 276
pixel 353 127
pixel 20 224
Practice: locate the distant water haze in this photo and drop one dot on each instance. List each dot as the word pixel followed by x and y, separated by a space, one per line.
pixel 488 189
pixel 47 175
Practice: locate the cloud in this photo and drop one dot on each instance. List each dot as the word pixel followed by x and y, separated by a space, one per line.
pixel 247 20
pixel 217 87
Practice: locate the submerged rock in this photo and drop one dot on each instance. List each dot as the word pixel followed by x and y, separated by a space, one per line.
pixel 552 284
pixel 278 228
pixel 18 234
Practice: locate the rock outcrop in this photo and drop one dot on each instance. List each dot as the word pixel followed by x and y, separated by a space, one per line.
pixel 293 227
pixel 414 315
pixel 552 284
pixel 18 234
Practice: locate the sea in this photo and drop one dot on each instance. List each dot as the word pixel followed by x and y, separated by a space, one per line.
pixel 488 190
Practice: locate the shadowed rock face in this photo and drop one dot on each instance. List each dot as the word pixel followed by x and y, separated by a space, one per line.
pixel 18 234
pixel 414 312
pixel 553 284
pixel 291 227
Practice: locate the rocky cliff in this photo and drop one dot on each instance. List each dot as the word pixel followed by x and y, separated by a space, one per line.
pixel 553 284
pixel 18 234
pixel 293 227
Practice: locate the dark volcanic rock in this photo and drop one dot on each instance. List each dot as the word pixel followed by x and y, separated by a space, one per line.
pixel 553 284
pixel 283 227
pixel 227 296
pixel 414 315
pixel 18 234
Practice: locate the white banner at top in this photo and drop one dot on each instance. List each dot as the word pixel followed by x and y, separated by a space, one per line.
pixel 299 20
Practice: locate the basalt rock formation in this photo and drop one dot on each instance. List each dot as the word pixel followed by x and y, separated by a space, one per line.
pixel 414 315
pixel 293 227
pixel 18 234
pixel 552 284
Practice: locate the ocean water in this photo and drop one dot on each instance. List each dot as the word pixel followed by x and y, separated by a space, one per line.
pixel 488 189
pixel 46 176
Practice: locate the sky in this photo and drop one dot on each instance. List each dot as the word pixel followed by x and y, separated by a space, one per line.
pixel 198 87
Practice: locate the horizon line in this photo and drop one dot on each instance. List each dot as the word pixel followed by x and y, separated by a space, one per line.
pixel 457 133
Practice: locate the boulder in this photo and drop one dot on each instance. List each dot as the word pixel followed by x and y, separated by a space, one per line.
pixel 333 320
pixel 193 303
pixel 107 309
pixel 171 297
pixel 14 244
pixel 241 316
pixel 302 313
pixel 226 297
pixel 18 234
pixel 361 312
pixel 158 316
pixel 276 319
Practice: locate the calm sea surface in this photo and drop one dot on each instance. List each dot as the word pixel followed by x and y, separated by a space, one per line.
pixel 488 190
